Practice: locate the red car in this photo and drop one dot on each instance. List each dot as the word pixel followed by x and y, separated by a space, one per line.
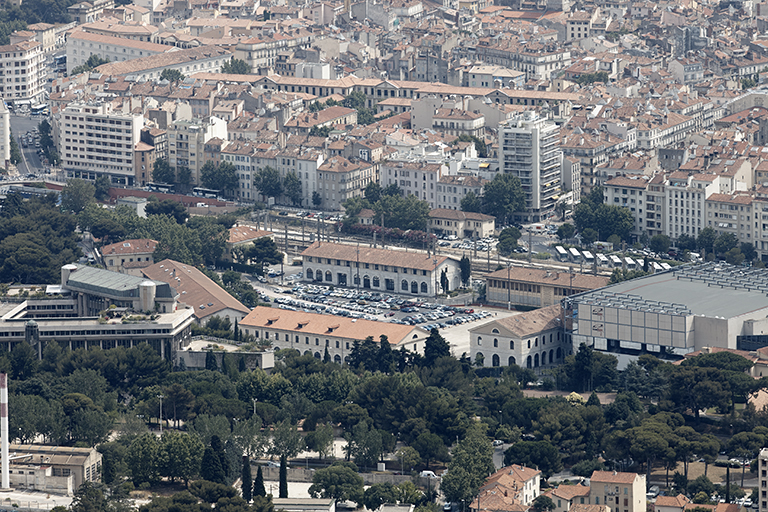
pixel 469 311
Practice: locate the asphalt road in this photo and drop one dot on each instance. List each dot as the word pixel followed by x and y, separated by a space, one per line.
pixel 30 162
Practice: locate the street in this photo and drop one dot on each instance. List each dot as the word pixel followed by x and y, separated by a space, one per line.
pixel 30 161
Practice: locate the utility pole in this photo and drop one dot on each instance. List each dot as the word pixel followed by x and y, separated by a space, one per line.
pixel 282 263
pixel 161 413
pixel 530 246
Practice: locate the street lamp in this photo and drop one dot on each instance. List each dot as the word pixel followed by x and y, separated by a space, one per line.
pixel 434 260
pixel 254 400
pixel 161 413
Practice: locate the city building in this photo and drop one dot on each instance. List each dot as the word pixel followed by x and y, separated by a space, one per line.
pixel 762 471
pixel 81 45
pixel 53 468
pixel 521 286
pixel 339 179
pixel 671 503
pixel 186 142
pixel 314 333
pixel 198 291
pixel 528 149
pixel 629 192
pixel 510 489
pixel 452 189
pixel 460 224
pixel 87 12
pixel 187 61
pixel 129 256
pixel 97 140
pixel 566 497
pixel 417 178
pixel 367 268
pixel 22 73
pixel 622 492
pixel 670 314
pixel 534 339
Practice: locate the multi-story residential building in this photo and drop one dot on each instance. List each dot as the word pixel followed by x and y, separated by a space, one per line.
pixel 417 178
pixel 22 73
pixel 129 256
pixel 189 61
pixel 762 471
pixel 629 192
pixel 686 71
pixel 240 154
pixel 565 497
pixel 5 135
pixel 261 52
pixel 313 333
pixel 622 492
pixel 537 60
pixel 331 116
pixel 515 485
pixel 593 150
pixel 534 339
pixel 655 201
pixel 461 224
pixel 579 24
pixel 86 12
pixel 491 76
pixel 186 142
pixel 144 160
pixel 731 213
pixel 685 201
pixel 458 122
pixel 339 179
pixel 379 269
pixel 81 45
pixel 452 189
pixel 660 130
pixel 95 140
pixel 528 149
pixel 570 178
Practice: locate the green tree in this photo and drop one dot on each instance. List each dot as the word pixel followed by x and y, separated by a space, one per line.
pixel 686 242
pixel 172 75
pixel 379 494
pixel 435 347
pixel 372 192
pixel 340 482
pixel 292 188
pixel 162 172
pixel 246 480
pixel 179 456
pixel 502 197
pixel 724 243
pixel 93 61
pixel 258 484
pixel 320 440
pixel 566 231
pixel 76 195
pixel 317 199
pixel 222 177
pixel 748 250
pixel 101 187
pixel 267 182
pixel 264 251
pixel 471 203
pixel 660 244
pixel 589 236
pixel 541 454
pixel 508 240
pixel 402 212
pixel 183 177
pixel 706 239
pixel 543 504
pixel 734 256
pixel 143 459
pixel 169 207
pixel 471 464
pixel 210 361
pixel 465 265
pixel 236 67
pixel 211 467
pixel 287 442
pixel 15 151
pixel 430 448
pixel 23 361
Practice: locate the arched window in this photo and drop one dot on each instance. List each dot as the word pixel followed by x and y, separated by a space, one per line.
pixel 536 361
pixel 424 288
pixel 551 357
pixel 317 355
pixel 404 285
pixel 528 362
pixel 307 352
pixel 544 358
pixel 550 337
pixel 337 359
pixel 328 276
pixel 495 331
pixel 366 282
pixel 376 282
pixel 479 340
pixel 309 274
pixel 495 360
pixel 535 340
pixel 495 342
pixel 511 344
pixel 319 275
pixel 414 287
pixel 558 353
pixel 356 280
pixel 529 343
pixel 511 361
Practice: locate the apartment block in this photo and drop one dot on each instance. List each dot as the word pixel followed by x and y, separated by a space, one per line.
pixel 416 178
pixel 622 492
pixel 452 189
pixel 186 142
pixel 685 197
pixel 81 45
pixel 528 149
pixel 21 72
pixel 95 140
pixel 629 192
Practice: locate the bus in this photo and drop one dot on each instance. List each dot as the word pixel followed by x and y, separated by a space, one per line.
pixel 562 254
pixel 602 260
pixel 163 188
pixel 616 261
pixel 589 259
pixel 205 192
pixel 631 265
pixel 40 109
pixel 575 254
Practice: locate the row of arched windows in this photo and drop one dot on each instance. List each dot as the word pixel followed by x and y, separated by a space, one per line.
pixel 532 361
pixel 368 282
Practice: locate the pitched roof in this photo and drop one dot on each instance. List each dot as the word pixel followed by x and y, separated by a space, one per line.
pixel 613 477
pixel 542 276
pixel 329 250
pixel 327 325
pixel 679 501
pixel 444 213
pixel 531 322
pixel 240 234
pixel 135 246
pixel 194 288
pixel 161 60
pixel 568 492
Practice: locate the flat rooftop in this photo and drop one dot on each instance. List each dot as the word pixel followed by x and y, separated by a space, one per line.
pixel 708 289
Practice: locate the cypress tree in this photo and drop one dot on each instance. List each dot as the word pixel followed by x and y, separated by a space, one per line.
pixel 247 479
pixel 258 484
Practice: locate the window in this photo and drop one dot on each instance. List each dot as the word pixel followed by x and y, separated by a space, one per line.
pixel 479 340
pixel 511 344
pixel 495 342
pixel 404 285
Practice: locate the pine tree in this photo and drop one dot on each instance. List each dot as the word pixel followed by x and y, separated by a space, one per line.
pixel 247 479
pixel 258 484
